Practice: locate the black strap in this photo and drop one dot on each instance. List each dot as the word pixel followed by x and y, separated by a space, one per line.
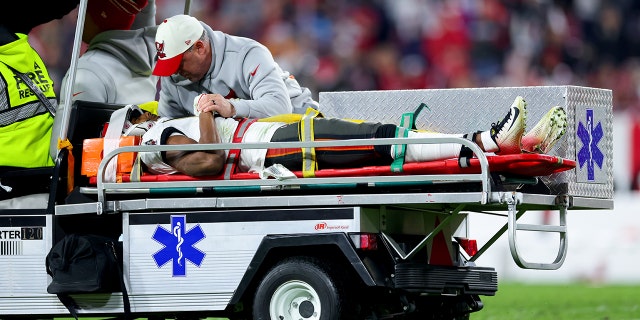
pixel 123 287
pixel 464 160
pixel 36 90
pixel 416 113
pixel 69 303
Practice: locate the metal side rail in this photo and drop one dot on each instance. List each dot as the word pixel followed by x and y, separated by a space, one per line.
pixel 512 199
pixel 513 226
pixel 103 187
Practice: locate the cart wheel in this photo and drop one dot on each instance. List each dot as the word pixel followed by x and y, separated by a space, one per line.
pixel 298 288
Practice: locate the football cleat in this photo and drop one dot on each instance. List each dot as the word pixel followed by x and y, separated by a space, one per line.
pixel 546 132
pixel 508 133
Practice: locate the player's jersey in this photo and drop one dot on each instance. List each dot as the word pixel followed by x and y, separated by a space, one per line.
pixel 250 159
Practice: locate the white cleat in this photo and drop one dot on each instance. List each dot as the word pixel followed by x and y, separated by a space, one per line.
pixel 508 133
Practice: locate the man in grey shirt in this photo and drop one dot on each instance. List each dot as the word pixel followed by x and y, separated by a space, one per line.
pixel 238 76
pixel 116 68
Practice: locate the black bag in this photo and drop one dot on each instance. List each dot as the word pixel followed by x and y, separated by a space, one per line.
pixel 85 264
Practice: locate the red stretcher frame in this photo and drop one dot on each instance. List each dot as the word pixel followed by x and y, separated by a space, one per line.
pixel 525 165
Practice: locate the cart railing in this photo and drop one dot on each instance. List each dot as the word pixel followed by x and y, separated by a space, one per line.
pixel 104 188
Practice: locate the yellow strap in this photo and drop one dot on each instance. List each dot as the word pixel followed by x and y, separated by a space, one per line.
pixel 66 144
pixel 286 118
pixel 305 133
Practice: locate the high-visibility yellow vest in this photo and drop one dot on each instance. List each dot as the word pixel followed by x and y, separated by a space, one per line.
pixel 25 123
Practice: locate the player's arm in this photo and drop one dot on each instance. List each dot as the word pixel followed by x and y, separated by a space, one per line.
pixel 198 163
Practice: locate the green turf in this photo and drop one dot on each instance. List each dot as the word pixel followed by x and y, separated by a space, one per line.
pixel 560 302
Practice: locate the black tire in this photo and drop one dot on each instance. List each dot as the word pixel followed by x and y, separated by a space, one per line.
pixel 299 288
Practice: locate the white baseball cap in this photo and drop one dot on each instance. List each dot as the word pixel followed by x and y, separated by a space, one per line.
pixel 174 36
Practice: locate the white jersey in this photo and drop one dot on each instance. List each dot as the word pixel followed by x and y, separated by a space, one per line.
pixel 251 160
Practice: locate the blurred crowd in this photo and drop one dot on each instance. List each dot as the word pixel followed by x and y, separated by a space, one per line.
pixel 340 45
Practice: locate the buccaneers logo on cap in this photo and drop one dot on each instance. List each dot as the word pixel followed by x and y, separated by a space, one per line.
pixel 160 48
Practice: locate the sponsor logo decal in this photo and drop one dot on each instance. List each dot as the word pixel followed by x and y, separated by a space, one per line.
pixel 322 226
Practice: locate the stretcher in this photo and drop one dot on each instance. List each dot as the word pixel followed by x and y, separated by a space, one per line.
pixel 517 167
pixel 524 165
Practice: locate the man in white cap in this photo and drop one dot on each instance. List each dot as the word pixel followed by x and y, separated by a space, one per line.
pixel 238 76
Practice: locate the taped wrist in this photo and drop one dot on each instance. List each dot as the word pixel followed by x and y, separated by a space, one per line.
pixel 196 112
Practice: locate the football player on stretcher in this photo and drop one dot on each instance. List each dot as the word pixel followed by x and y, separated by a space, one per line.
pixel 502 138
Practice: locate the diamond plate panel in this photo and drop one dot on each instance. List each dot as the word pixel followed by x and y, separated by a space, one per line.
pixel 468 110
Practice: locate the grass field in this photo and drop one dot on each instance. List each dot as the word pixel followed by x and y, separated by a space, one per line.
pixel 562 302
pixel 554 302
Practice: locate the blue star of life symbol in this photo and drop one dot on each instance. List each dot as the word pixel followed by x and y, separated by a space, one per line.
pixel 178 245
pixel 590 152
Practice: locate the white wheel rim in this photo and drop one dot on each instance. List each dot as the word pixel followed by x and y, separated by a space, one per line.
pixel 294 300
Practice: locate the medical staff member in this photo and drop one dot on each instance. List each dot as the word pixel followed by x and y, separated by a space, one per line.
pixel 25 121
pixel 239 75
pixel 116 68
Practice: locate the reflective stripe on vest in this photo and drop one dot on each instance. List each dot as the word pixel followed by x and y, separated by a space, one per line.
pixel 13 115
pixel 19 102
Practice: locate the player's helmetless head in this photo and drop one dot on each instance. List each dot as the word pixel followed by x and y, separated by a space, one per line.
pixel 138 122
pixel 137 117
